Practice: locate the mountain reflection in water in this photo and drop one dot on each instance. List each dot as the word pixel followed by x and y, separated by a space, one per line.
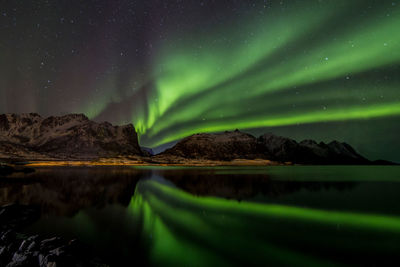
pixel 220 216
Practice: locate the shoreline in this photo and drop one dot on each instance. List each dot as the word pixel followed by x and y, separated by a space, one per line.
pixel 22 165
pixel 125 162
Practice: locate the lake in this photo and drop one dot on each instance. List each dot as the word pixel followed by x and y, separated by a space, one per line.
pixel 220 216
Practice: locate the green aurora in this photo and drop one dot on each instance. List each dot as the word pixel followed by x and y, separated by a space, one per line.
pixel 208 230
pixel 305 216
pixel 305 69
pixel 294 65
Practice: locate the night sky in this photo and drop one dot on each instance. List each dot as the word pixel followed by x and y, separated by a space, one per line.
pixel 314 69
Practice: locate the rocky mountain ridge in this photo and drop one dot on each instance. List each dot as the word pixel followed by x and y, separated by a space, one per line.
pixel 71 136
pixel 236 144
pixel 218 146
pixel 74 137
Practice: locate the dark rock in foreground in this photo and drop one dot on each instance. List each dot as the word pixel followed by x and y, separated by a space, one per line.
pixel 16 250
pixel 19 250
pixel 66 137
pixel 238 145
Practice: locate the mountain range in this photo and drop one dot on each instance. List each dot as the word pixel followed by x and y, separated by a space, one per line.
pixel 71 136
pixel 74 137
pixel 236 144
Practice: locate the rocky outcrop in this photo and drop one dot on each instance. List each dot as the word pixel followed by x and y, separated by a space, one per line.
pixel 17 249
pixel 239 145
pixel 283 149
pixel 277 147
pixel 65 137
pixel 221 146
pixel 74 136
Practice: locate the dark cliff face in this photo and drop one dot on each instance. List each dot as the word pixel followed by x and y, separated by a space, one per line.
pixel 308 151
pixel 235 145
pixel 277 148
pixel 69 136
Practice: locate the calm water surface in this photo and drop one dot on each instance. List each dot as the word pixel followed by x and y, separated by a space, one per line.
pixel 283 215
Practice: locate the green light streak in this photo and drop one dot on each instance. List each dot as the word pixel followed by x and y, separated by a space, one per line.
pixel 368 221
pixel 183 229
pixel 389 109
pixel 206 83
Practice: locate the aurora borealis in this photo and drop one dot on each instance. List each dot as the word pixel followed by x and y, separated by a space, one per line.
pixel 316 69
pixel 225 216
pixel 182 228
